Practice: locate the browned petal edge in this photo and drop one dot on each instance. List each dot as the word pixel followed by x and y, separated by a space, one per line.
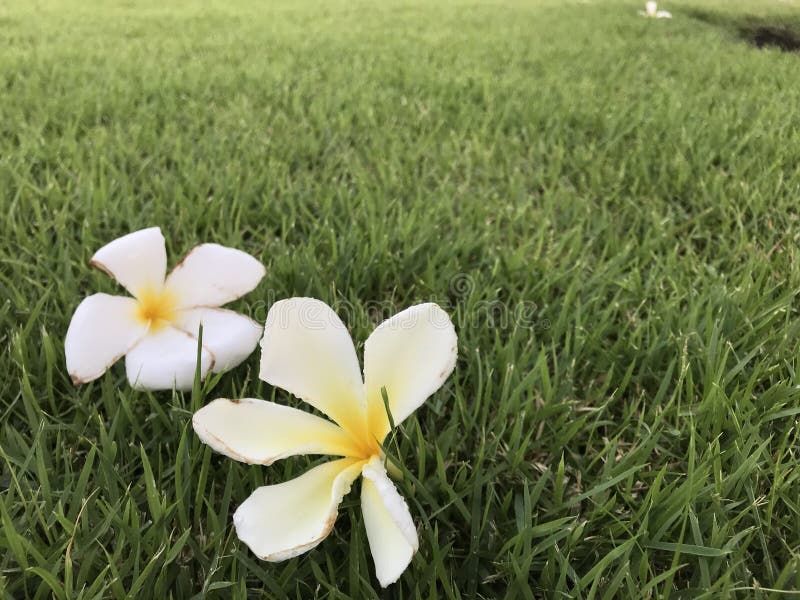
pixel 451 365
pixel 179 265
pixel 329 523
pixel 206 348
pixel 230 451
pixel 236 456
pixel 185 256
pixel 213 358
pixel 76 381
pixel 100 266
pixel 298 550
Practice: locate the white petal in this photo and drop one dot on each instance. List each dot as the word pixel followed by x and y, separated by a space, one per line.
pixel 101 331
pixel 410 355
pixel 261 432
pixel 390 528
pixel 137 260
pixel 166 358
pixel 230 336
pixel 307 351
pixel 213 275
pixel 278 522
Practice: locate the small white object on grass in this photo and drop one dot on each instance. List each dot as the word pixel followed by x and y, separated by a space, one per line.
pixel 651 11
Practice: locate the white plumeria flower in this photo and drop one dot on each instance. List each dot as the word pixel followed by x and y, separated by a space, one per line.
pixel 307 351
pixel 651 10
pixel 157 329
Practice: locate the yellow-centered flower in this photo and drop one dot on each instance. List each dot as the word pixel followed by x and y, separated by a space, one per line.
pixel 156 330
pixel 307 351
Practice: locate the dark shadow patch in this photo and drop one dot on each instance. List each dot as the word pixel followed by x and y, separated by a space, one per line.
pixel 773 36
pixel 776 32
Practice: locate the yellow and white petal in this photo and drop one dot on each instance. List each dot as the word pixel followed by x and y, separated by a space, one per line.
pixel 164 359
pixel 411 355
pixel 101 331
pixel 307 351
pixel 137 260
pixel 390 528
pixel 278 522
pixel 213 275
pixel 231 337
pixel 260 432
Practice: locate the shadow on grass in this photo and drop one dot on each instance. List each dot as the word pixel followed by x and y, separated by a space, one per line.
pixel 776 32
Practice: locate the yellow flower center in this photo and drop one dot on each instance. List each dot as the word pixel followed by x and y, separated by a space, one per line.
pixel 156 307
pixel 366 448
pixel 363 442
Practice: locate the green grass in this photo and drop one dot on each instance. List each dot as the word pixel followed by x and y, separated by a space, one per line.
pixel 607 205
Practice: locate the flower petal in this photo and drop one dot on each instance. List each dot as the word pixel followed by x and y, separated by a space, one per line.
pixel 307 351
pixel 101 331
pixel 137 260
pixel 261 432
pixel 278 522
pixel 230 336
pixel 166 358
pixel 213 275
pixel 410 355
pixel 390 528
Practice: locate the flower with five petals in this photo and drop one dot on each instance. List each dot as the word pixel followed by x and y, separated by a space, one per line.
pixel 307 351
pixel 157 329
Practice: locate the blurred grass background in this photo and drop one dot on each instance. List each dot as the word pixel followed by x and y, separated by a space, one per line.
pixel 607 205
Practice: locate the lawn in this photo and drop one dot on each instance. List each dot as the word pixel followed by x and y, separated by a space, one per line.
pixel 606 205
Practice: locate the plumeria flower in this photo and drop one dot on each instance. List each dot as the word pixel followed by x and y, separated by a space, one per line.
pixel 307 351
pixel 157 329
pixel 651 10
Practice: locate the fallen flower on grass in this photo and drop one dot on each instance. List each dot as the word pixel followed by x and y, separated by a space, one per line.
pixel 307 351
pixel 651 11
pixel 157 329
